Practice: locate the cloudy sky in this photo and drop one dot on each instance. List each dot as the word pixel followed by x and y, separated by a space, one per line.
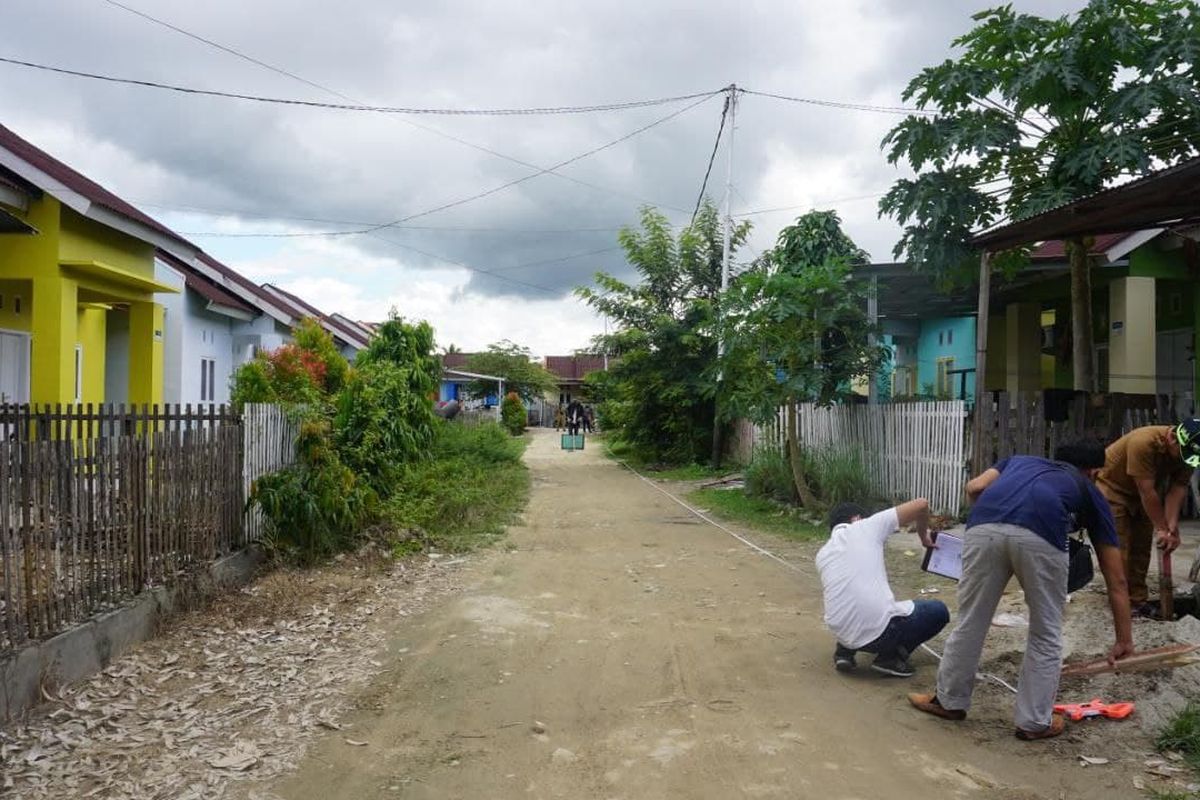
pixel 224 171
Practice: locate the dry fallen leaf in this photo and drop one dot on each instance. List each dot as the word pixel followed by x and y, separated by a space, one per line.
pixel 355 743
pixel 1086 761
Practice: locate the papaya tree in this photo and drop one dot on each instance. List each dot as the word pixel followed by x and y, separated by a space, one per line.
pixel 1035 112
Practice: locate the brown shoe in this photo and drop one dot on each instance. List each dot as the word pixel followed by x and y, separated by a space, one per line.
pixel 1057 726
pixel 930 704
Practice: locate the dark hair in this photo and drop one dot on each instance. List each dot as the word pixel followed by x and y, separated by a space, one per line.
pixel 844 512
pixel 1081 453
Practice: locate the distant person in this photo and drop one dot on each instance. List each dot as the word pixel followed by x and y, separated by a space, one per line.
pixel 589 418
pixel 1024 509
pixel 574 417
pixel 860 608
pixel 1135 466
pixel 560 417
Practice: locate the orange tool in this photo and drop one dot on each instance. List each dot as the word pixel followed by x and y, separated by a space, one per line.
pixel 1094 708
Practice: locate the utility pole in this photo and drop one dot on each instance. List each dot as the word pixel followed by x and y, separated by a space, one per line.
pixel 731 101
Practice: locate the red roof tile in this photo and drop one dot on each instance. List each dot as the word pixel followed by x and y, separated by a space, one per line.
pixel 79 183
pixel 1057 251
pixel 347 333
pixel 574 368
pixel 214 293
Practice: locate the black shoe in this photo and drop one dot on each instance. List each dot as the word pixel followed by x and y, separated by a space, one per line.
pixel 843 659
pixel 895 665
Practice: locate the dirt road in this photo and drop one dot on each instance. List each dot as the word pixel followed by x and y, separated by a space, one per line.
pixel 622 648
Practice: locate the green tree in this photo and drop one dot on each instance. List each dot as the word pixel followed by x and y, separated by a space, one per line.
pixel 513 363
pixel 796 330
pixel 1034 113
pixel 384 417
pixel 656 394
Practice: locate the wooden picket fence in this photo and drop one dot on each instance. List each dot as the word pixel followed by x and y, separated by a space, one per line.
pixel 95 509
pixel 269 437
pixel 1021 423
pixel 909 449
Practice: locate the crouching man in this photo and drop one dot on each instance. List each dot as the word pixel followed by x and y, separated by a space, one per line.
pixel 860 608
pixel 1024 508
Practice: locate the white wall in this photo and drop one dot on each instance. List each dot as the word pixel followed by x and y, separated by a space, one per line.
pixel 205 336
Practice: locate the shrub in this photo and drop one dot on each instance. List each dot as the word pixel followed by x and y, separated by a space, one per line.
pixel 303 372
pixel 315 507
pixel 769 475
pixel 512 414
pixel 380 423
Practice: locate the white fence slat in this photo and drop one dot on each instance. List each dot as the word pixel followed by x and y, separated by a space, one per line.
pixel 909 449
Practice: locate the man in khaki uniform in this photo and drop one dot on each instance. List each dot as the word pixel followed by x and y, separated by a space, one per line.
pixel 1145 480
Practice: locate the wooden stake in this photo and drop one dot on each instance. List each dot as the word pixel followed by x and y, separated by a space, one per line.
pixel 1169 657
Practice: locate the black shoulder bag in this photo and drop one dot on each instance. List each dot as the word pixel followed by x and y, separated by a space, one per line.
pixel 1079 553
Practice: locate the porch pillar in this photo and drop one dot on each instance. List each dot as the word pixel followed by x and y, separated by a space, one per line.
pixel 1023 346
pixel 146 353
pixel 54 332
pixel 1132 336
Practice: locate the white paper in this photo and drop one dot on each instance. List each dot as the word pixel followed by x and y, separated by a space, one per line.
pixel 946 558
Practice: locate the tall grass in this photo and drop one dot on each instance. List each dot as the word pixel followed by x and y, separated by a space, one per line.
pixel 463 496
pixel 835 475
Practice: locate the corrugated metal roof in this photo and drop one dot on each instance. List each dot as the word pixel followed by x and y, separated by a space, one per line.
pixel 306 309
pixel 1162 199
pixel 79 183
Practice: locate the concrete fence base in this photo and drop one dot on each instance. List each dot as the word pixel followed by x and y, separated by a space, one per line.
pixel 91 646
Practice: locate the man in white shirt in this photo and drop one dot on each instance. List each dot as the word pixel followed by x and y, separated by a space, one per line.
pixel 860 608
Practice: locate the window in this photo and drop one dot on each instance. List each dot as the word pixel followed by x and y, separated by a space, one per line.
pixel 208 380
pixel 940 335
pixel 78 374
pixel 1176 303
pixel 945 380
pixel 950 336
pixel 17 304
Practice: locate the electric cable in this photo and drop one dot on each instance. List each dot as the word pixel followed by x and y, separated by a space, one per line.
pixel 843 105
pixel 712 157
pixel 493 112
pixel 411 123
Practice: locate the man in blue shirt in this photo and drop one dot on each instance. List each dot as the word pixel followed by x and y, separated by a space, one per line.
pixel 1024 509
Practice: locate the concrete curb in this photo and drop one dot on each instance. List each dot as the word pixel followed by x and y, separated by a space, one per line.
pixel 91 646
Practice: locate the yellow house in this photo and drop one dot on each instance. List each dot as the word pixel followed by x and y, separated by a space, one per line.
pixel 77 285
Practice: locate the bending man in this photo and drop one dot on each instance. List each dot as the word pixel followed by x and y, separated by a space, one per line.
pixel 1025 507
pixel 1134 467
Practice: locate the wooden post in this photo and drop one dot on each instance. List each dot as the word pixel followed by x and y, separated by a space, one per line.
pixel 982 437
pixel 872 339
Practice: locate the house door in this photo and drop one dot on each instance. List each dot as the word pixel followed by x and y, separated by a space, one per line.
pixel 14 367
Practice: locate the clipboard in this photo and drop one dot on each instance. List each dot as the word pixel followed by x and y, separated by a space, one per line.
pixel 945 559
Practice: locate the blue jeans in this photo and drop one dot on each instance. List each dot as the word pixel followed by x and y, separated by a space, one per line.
pixel 925 622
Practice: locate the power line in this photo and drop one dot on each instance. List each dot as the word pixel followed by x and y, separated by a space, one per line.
pixel 409 122
pixel 756 212
pixel 843 105
pixel 545 261
pixel 494 112
pixel 711 158
pixel 463 264
pixel 495 189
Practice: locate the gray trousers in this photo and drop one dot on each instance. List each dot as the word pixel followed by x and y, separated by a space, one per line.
pixel 992 554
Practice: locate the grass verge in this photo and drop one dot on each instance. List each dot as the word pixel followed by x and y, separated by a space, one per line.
pixel 465 495
pixel 616 449
pixel 759 513
pixel 1182 735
